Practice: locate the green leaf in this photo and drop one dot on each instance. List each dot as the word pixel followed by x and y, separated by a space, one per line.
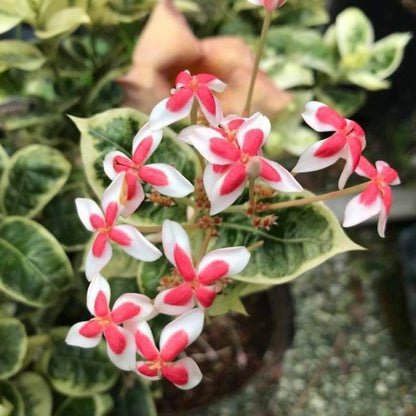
pixel 61 219
pixel 121 264
pixel 345 101
pixel 387 54
pixel 304 47
pixel 115 130
pixel 12 12
pixel 289 74
pixel 34 269
pixel 78 372
pixel 137 400
pixel 11 402
pixel 297 140
pixel 13 346
pixel 36 394
pixel 63 21
pixel 97 405
pixel 149 275
pixel 367 81
pixel 229 300
pixel 33 177
pixel 355 33
pixel 303 238
pixel 21 55
pixel 4 160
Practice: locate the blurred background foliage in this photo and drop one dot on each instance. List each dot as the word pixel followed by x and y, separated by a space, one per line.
pixel 60 57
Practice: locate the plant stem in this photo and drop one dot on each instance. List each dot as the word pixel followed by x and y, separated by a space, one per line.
pixel 255 245
pixel 194 113
pixel 158 228
pixel 317 198
pixel 262 41
pixel 251 201
pixel 208 234
pixel 303 201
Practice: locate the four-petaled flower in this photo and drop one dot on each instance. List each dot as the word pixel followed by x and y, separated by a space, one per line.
pixel 270 5
pixel 236 158
pixel 164 178
pixel 126 236
pixel 347 142
pixel 376 198
pixel 129 307
pixel 175 337
pixel 179 104
pixel 198 284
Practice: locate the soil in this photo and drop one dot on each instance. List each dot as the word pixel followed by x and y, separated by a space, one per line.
pixel 233 348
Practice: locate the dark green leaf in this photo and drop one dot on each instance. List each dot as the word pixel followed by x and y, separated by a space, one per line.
pixel 11 402
pixel 34 269
pixel 97 405
pixel 345 101
pixel 34 175
pixel 78 372
pixel 13 346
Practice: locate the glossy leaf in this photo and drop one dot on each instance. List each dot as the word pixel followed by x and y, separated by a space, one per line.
pixel 97 405
pixel 63 21
pixel 21 55
pixel 12 12
pixel 354 31
pixel 115 130
pixel 77 372
pixel 149 275
pixel 11 402
pixel 13 346
pixel 4 160
pixel 34 175
pixel 367 80
pixel 303 238
pixel 36 394
pixel 34 269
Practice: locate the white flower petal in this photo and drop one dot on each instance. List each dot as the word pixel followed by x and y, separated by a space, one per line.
pixel 98 284
pixel 256 122
pixel 193 372
pixel 161 117
pixel 120 312
pixel 94 265
pixel 330 121
pixel 75 339
pixel 173 234
pixel 144 134
pixel 356 212
pixel 168 309
pixel 108 163
pixel 127 359
pixel 85 208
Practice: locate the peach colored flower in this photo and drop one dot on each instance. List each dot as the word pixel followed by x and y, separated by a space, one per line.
pixel 167 46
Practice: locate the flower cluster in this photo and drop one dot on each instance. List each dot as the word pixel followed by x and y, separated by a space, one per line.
pixel 230 149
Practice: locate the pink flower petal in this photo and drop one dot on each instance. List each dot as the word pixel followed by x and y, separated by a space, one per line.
pixel 278 177
pixel 173 234
pixel 144 370
pixel 145 142
pixel 184 373
pixel 98 296
pixel 86 209
pixel 138 247
pixel 183 263
pixel 161 117
pixel 211 176
pixel 121 348
pixel 365 168
pixel 308 162
pixel 145 342
pixel 384 212
pixel 221 263
pixel 169 309
pixel 211 81
pixel 322 118
pixel 389 175
pixel 210 106
pixel 94 265
pixel 116 162
pixel 166 180
pixel 99 244
pixel 205 295
pixel 352 154
pixel 114 198
pixel 77 340
pixel 253 133
pixel 180 333
pixel 91 329
pixel 134 200
pixel 331 146
pixel 131 306
pixel 357 211
pixel 212 145
pixel 228 188
pixel 183 78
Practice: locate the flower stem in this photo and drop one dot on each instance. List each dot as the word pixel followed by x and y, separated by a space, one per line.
pixel 158 228
pixel 317 198
pixel 262 41
pixel 204 247
pixel 255 245
pixel 194 113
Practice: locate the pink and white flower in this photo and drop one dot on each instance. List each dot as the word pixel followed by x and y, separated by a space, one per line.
pixel 129 307
pixel 175 337
pixel 198 282
pixel 237 157
pixel 179 104
pixel 376 198
pixel 270 5
pixel 162 177
pixel 347 142
pixel 103 224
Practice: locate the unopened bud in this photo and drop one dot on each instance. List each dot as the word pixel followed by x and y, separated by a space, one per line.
pixel 253 168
